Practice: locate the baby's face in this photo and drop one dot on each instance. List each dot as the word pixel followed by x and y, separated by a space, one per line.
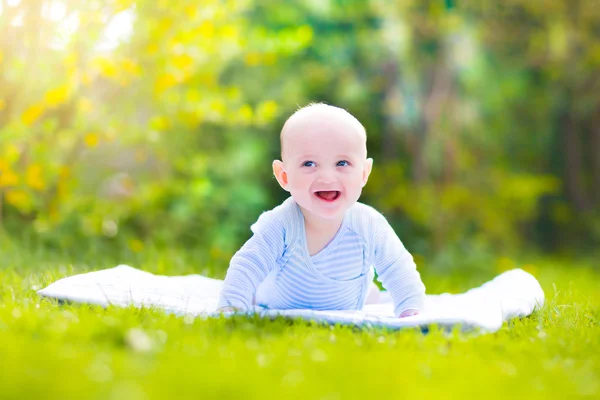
pixel 325 164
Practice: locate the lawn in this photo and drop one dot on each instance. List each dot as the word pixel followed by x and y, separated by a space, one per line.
pixel 48 350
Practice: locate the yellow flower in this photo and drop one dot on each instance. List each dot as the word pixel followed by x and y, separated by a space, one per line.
pixel 8 178
pixel 193 96
pixel 32 114
pixel 2 104
pixel 33 177
pixel 218 107
pixel 152 49
pixel 207 30
pixel 58 96
pixel 18 198
pixel 165 82
pixel 182 61
pixel 131 67
pixel 164 25
pixel 92 139
pixel 267 110
pixel 105 66
pixel 246 113
pixel 230 32
pixel 191 11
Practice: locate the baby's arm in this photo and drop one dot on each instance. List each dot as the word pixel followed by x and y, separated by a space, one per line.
pixel 397 271
pixel 251 264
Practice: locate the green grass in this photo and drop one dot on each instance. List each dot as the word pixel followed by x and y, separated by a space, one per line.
pixel 49 350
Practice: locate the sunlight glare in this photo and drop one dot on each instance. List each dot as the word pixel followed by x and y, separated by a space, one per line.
pixel 54 11
pixel 118 29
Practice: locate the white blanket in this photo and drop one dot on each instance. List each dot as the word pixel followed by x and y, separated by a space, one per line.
pixel 514 293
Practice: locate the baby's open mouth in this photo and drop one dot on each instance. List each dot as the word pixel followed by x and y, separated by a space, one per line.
pixel 329 195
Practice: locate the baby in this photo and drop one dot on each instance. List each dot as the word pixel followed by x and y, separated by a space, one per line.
pixel 318 248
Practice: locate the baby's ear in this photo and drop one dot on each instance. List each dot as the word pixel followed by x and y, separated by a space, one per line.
pixel 280 174
pixel 367 170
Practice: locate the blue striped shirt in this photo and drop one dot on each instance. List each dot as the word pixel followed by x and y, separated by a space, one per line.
pixel 274 269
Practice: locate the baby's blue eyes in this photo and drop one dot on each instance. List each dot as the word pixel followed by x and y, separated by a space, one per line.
pixel 342 163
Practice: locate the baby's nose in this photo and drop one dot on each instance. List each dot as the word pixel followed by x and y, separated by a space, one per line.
pixel 327 176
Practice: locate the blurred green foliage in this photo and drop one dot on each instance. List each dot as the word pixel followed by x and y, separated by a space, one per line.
pixel 153 121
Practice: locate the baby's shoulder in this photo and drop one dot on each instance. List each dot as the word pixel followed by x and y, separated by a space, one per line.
pixel 276 219
pixel 364 213
pixel 364 219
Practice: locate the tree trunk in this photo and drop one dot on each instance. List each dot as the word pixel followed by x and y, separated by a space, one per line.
pixel 574 178
pixel 595 159
pixel 392 97
pixel 419 166
pixel 437 97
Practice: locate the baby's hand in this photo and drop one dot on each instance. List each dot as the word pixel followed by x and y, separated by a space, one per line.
pixel 228 309
pixel 408 313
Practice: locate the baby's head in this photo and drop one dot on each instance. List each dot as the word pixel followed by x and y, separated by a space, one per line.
pixel 324 162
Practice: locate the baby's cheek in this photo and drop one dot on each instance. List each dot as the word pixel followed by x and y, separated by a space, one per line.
pixel 302 183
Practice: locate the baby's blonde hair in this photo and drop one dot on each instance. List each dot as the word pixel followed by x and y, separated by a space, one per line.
pixel 320 108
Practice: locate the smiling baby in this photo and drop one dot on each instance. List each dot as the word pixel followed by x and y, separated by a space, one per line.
pixel 318 249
